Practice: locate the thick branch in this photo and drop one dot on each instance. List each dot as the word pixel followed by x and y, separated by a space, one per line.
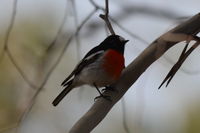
pixel 132 72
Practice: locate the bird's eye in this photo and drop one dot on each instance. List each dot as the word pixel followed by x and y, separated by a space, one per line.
pixel 121 39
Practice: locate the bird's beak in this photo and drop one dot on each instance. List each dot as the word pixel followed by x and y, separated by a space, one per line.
pixel 126 41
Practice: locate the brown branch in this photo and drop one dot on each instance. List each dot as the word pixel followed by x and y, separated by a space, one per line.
pixel 106 18
pixel 184 70
pixel 180 61
pixel 119 25
pixel 131 73
pixel 96 6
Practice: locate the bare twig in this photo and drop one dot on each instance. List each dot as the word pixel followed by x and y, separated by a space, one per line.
pixel 106 18
pixel 131 73
pixel 108 26
pixel 106 30
pixel 3 130
pixel 119 25
pixel 96 6
pixel 12 21
pixel 184 70
pixel 77 37
pixel 32 101
pixel 14 62
pixel 2 54
pixel 180 61
pixel 7 50
pixel 59 30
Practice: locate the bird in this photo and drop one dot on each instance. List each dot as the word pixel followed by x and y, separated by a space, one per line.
pixel 100 67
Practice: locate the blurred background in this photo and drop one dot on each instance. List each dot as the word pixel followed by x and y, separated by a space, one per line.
pixel 48 38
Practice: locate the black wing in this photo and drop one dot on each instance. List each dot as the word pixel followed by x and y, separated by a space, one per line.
pixel 89 58
pixel 94 50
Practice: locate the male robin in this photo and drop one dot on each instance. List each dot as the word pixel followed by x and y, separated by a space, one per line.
pixel 101 67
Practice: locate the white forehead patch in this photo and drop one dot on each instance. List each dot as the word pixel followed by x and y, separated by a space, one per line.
pixel 121 39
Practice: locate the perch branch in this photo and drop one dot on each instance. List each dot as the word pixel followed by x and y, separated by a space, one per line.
pixel 106 19
pixel 132 72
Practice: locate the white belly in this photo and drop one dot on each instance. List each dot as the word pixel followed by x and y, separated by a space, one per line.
pixel 94 74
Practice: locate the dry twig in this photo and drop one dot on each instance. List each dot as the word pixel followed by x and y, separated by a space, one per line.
pixel 32 101
pixel 7 51
pixel 109 27
pixel 132 72
pixel 77 37
pixel 53 43
pixel 185 53
pixel 106 18
pixel 134 36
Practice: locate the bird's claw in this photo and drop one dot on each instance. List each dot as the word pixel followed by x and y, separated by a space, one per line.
pixel 103 96
pixel 109 88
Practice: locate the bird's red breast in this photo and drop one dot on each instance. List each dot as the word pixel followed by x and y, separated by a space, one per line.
pixel 113 63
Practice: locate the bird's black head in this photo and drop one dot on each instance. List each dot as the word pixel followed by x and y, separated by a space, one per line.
pixel 115 42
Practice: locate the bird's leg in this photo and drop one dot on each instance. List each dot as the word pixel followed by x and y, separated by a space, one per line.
pixel 109 88
pixel 101 95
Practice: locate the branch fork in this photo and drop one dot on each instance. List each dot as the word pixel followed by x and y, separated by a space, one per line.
pixel 133 71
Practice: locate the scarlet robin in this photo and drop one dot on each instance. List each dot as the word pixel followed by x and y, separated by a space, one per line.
pixel 101 67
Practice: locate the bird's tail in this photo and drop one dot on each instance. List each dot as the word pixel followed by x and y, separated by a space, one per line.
pixel 69 87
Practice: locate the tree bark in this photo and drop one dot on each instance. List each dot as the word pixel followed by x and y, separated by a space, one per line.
pixel 133 71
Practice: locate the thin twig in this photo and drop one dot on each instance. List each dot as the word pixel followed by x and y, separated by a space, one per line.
pixel 12 21
pixel 106 18
pixel 119 25
pixel 3 130
pixel 14 62
pixel 53 43
pixel 33 99
pixel 77 37
pixel 96 6
pixel 178 64
pixel 2 54
pixel 7 50
pixel 108 26
pixel 184 70
pixel 131 73
pixel 106 30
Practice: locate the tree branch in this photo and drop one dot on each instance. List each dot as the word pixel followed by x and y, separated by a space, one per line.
pixel 117 24
pixel 106 19
pixel 132 72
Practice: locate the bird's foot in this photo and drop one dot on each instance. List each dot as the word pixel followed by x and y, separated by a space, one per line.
pixel 109 88
pixel 103 96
